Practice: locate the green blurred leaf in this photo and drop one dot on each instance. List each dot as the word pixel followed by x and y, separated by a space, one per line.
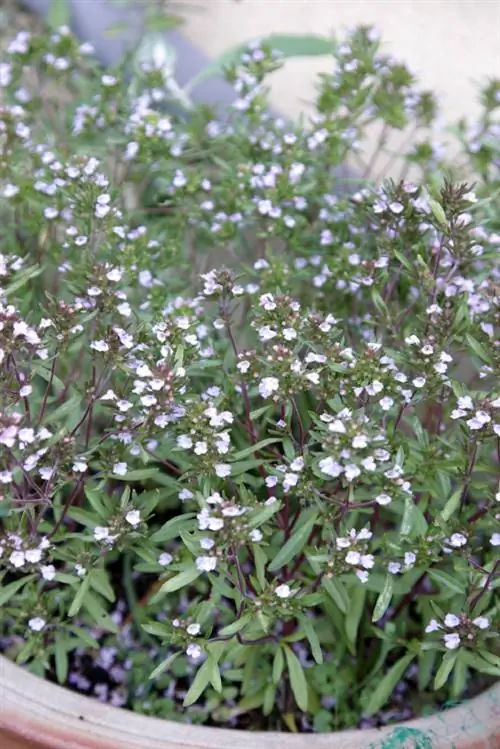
pixel 7 591
pixel 164 665
pixel 298 680
pixel 337 592
pixel 294 545
pixel 445 669
pixel 289 45
pixel 310 633
pixel 186 577
pixel 354 613
pixel 386 687
pixel 58 14
pixel 383 599
pixel 172 528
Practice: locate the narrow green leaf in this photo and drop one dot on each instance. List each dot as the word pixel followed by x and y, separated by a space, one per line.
pixel 58 14
pixel 95 499
pixel 200 683
pixel 289 45
pixel 337 592
pixel 101 584
pixel 260 559
pixel 164 666
pixel 278 665
pixel 451 505
pixel 447 582
pixel 171 529
pixel 61 660
pixel 383 599
pixel 310 632
pixel 99 615
pixel 7 591
pixel 354 613
pixel 83 588
pixel 298 680
pixel 294 545
pixel 177 582
pixel 386 687
pixel 255 448
pixel 236 626
pixel 215 679
pixel 445 669
pixel 141 474
pixel 426 662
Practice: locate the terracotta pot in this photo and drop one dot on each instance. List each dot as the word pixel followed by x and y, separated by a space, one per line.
pixel 35 714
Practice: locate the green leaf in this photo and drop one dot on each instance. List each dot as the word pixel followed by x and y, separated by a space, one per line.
pixel 290 45
pixel 237 625
pixel 451 506
pixel 83 588
pixel 58 14
pixel 264 515
pixel 310 633
pixel 140 475
pixel 164 665
pixel 413 519
pixel 294 545
pixel 298 680
pixel 215 679
pixel 337 592
pixel 172 528
pixel 98 613
pixel 186 577
pixel 480 664
pixel 438 212
pixel 260 559
pixel 7 591
pixel 255 448
pixel 95 497
pixel 354 613
pixel 278 665
pixel 386 687
pixel 383 599
pixel 478 349
pixel 426 662
pixel 445 669
pixel 200 682
pixel 447 582
pixel 61 660
pixel 100 583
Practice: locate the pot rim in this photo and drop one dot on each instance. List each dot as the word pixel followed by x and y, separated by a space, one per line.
pixel 47 715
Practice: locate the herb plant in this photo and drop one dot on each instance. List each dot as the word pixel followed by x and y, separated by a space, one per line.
pixel 249 410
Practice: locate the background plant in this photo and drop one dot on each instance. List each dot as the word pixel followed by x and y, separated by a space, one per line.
pixel 274 486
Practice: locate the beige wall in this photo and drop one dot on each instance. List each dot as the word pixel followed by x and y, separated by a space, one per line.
pixel 450 44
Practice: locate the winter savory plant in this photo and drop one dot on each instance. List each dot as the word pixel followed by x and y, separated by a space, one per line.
pixel 249 418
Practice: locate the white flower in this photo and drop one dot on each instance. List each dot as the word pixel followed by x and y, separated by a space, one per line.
pixel 193 629
pixel 36 624
pixel 255 536
pixel 362 575
pixel 360 441
pixel 451 620
pixel 101 346
pixel 353 557
pixel 266 333
pixel 120 469
pixel 419 382
pixel 184 441
pixel 330 467
pixel 165 558
pixel 283 591
pixel 433 626
pixel 207 543
pixel 465 402
pixel 495 539
pixel 48 571
pixel 452 641
pixel 133 518
pixel 200 448
pixel 337 426
pixel 383 499
pixel 194 651
pixel 185 494
pixel 80 466
pixel 410 559
pixel 33 556
pixel 367 561
pixel 352 472
pixel 101 533
pixel 17 559
pixel 222 470
pixel 374 388
pixel 268 386
pixel 394 568
pixel 386 403
pixel 206 564
pixel 457 540
pixel 482 622
pixel 297 464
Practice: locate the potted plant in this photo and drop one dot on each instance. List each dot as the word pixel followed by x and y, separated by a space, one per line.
pixel 249 424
